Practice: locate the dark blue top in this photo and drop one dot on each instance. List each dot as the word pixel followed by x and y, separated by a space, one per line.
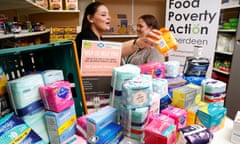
pixel 84 35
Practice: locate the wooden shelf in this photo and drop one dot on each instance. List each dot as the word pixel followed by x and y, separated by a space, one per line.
pixel 29 7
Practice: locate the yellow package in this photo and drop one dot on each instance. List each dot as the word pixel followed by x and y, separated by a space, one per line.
pixel 42 3
pixel 3 82
pixel 55 4
pixel 71 4
pixel 166 41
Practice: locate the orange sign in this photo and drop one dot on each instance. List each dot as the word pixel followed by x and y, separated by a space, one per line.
pixel 98 58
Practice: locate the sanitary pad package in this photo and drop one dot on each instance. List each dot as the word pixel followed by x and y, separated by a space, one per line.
pixel 194 134
pixel 15 130
pixel 62 125
pixel 57 96
pixel 100 119
pixel 24 94
pixel 137 92
pixel 51 76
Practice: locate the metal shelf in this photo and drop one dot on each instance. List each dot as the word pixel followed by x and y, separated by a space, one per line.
pixel 229 6
pixel 227 30
pixel 222 52
pixel 223 72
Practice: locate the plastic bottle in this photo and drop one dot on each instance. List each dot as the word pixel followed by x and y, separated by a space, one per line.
pixel 166 41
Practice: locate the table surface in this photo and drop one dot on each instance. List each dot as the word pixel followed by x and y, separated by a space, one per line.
pixel 223 135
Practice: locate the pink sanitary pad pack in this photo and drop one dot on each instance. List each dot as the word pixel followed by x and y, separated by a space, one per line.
pixel 57 96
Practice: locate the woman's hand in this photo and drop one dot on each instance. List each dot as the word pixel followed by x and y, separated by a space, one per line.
pixel 150 40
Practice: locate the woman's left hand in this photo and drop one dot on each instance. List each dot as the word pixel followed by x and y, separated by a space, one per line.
pixel 149 41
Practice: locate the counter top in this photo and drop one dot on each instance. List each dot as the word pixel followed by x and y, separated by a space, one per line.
pixel 119 36
pixel 223 135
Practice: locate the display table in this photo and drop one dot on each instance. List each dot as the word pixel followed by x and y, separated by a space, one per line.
pixel 223 136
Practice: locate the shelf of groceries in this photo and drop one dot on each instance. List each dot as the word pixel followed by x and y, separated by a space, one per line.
pixel 29 6
pixel 23 34
pixel 229 6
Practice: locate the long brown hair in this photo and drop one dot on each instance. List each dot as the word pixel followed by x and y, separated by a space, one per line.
pixel 91 9
pixel 150 20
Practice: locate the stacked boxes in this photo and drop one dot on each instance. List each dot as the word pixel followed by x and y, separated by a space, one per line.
pixel 194 134
pixel 155 69
pixel 63 33
pixel 172 69
pixel 134 121
pixel 137 92
pixel 61 125
pixel 56 96
pixel 55 5
pixel 136 99
pixel 75 139
pixel 50 76
pixel 179 115
pixel 112 133
pixel 14 130
pixel 185 96
pixel 119 76
pixel 160 90
pixel 214 91
pixel 27 103
pixel 100 119
pixel 192 112
pixel 24 94
pixel 160 131
pixel 212 116
pixel 58 102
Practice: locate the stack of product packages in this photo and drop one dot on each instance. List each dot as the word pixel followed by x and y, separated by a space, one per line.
pixel 137 96
pixel 44 101
pixel 26 102
pixel 142 108
pixel 60 112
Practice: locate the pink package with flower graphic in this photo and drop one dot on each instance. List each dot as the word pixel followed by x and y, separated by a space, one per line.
pixel 179 115
pixel 57 96
pixel 155 69
pixel 160 131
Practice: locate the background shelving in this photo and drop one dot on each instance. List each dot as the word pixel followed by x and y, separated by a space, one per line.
pixel 223 56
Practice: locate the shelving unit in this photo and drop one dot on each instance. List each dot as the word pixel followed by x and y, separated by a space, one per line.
pixel 224 56
pixel 22 35
pixel 24 39
pixel 28 10
pixel 28 7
